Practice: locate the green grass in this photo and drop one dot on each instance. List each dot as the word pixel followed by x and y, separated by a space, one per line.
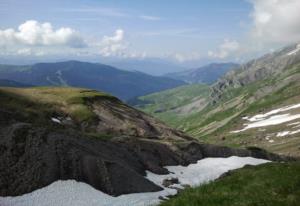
pixel 276 184
pixel 45 101
pixel 174 98
pixel 287 95
pixel 162 104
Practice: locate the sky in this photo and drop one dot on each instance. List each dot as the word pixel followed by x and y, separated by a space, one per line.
pixel 180 31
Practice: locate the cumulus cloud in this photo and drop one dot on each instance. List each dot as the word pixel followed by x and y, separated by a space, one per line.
pixel 113 45
pixel 150 18
pixel 33 33
pixel 227 48
pixel 116 46
pixel 276 20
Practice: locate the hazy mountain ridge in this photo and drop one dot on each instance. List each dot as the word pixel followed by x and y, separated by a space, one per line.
pixel 123 84
pixel 206 74
pixel 11 83
pixel 157 67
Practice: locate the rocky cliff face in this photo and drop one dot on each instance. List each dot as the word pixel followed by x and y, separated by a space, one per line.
pixel 36 150
pixel 258 69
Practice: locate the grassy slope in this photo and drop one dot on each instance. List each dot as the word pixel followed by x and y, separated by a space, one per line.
pixel 215 122
pixel 162 104
pixel 276 184
pixel 50 100
pixel 286 95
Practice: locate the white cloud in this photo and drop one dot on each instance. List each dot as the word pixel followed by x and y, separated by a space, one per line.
pixel 33 33
pixel 276 21
pixel 150 18
pixel 40 39
pixel 227 48
pixel 116 46
pixel 113 45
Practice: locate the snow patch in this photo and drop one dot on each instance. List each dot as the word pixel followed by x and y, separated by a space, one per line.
pixel 285 133
pixel 270 118
pixel 260 117
pixel 294 51
pixel 55 120
pixel 294 123
pixel 273 120
pixel 282 134
pixel 70 192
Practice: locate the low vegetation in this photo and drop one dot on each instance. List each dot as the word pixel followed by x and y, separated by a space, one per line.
pixel 165 105
pixel 276 184
pixel 51 101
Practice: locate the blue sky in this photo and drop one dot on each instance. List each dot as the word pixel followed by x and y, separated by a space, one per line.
pixel 192 30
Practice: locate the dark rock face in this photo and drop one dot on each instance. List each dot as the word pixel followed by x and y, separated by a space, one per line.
pixel 169 182
pixel 33 157
pixel 195 149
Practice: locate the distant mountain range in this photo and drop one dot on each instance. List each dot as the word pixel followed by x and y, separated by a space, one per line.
pixel 11 83
pixel 207 74
pixel 123 84
pixel 156 67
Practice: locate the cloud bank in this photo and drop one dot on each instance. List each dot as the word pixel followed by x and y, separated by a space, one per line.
pixel 227 48
pixel 113 45
pixel 276 21
pixel 33 33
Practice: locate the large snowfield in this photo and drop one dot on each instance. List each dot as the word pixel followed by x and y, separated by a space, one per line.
pixel 72 193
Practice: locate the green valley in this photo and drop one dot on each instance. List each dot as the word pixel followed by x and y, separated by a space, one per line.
pixel 175 104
